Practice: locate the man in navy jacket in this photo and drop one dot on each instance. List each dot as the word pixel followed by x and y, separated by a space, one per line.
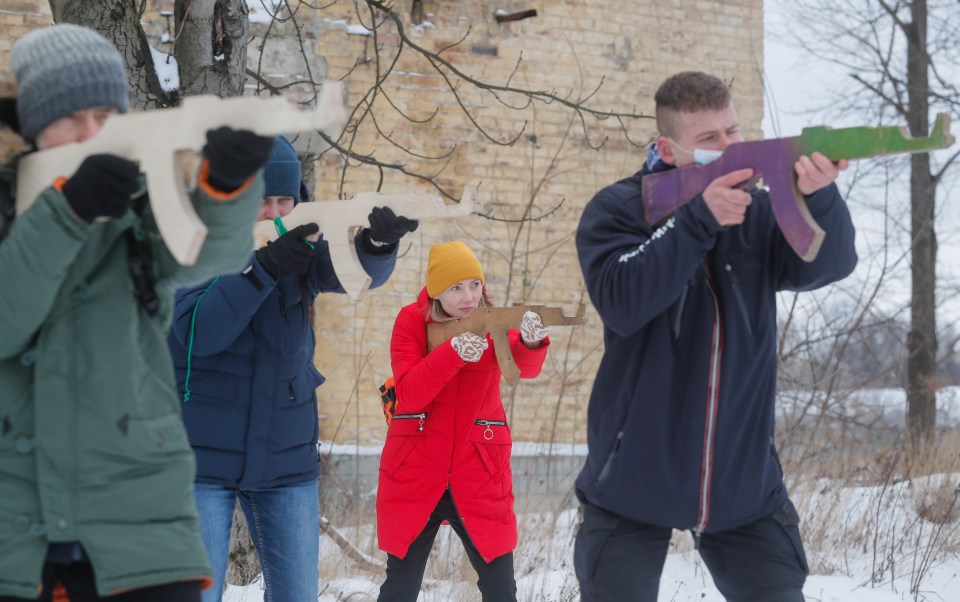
pixel 243 349
pixel 681 417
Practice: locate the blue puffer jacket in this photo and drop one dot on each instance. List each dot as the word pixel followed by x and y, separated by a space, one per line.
pixel 251 410
pixel 681 418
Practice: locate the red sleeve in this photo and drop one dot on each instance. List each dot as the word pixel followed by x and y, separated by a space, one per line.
pixel 418 376
pixel 530 361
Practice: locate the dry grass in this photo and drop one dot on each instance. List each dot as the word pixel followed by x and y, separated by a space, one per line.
pixel 866 510
pixel 862 496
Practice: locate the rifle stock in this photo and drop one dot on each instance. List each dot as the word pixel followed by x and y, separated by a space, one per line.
pixel 773 160
pixel 339 221
pixel 497 321
pixel 154 139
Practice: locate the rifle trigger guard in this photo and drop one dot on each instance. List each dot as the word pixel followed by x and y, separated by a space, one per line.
pixel 754 183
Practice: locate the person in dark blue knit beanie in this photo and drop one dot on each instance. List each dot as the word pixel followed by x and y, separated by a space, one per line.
pixel 251 333
pixel 281 174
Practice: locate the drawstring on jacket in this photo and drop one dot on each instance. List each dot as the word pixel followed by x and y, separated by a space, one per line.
pixel 193 324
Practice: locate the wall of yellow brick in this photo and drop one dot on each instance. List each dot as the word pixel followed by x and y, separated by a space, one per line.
pixel 632 45
pixel 17 17
pixel 569 48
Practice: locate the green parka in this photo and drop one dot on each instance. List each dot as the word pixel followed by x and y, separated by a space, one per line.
pixel 92 446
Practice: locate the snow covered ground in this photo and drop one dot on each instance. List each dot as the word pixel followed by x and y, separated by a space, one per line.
pixel 868 538
pixel 865 544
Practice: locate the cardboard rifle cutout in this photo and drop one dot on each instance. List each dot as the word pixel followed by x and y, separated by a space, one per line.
pixel 497 321
pixel 772 163
pixel 154 139
pixel 340 220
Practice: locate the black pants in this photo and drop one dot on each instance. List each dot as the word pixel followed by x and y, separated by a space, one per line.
pixel 618 559
pixel 496 581
pixel 78 580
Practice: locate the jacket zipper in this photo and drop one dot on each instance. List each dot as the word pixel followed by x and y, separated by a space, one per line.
pixel 608 465
pixel 460 516
pixel 488 432
pixel 421 417
pixel 677 320
pixel 713 401
pixel 739 295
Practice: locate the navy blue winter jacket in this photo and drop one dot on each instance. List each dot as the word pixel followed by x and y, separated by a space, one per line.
pixel 681 418
pixel 252 409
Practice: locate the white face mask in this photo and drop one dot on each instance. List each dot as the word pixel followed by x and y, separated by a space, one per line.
pixel 701 156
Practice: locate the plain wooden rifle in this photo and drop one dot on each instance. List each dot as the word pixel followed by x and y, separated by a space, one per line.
pixel 497 321
pixel 155 139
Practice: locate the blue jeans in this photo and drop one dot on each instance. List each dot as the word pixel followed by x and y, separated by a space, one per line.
pixel 284 524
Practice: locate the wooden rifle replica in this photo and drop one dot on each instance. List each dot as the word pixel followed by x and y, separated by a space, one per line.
pixel 155 139
pixel 772 163
pixel 340 220
pixel 497 321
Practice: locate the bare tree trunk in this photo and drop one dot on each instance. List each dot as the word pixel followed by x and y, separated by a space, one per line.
pixel 211 46
pixel 922 340
pixel 119 22
pixel 243 565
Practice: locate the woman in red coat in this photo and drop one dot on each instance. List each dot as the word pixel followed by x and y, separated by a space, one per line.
pixel 447 454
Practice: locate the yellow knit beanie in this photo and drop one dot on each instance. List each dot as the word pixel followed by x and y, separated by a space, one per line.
pixel 449 263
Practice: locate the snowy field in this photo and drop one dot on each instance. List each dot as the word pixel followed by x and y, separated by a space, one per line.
pixel 870 537
pixel 907 553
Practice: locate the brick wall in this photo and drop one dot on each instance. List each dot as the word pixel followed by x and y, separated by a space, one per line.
pixel 17 17
pixel 567 48
pixel 633 45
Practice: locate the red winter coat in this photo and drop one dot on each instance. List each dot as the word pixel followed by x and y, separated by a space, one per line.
pixel 438 438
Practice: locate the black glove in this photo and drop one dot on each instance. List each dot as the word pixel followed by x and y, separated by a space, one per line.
pixel 234 156
pixel 386 227
pixel 102 187
pixel 289 255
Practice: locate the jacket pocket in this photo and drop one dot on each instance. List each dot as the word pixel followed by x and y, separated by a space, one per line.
pixel 738 295
pixel 677 309
pixel 304 385
pixel 405 432
pixel 211 387
pixel 611 458
pixel 299 390
pixel 156 435
pixel 491 438
pixel 789 520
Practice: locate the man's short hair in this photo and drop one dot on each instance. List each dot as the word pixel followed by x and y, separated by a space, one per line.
pixel 688 92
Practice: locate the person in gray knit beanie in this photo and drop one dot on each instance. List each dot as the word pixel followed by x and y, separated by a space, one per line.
pixel 99 500
pixel 63 69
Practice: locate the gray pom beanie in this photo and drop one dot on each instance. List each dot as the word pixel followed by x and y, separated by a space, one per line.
pixel 281 174
pixel 63 69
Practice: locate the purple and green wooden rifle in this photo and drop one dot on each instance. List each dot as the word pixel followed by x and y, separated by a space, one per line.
pixel 772 163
